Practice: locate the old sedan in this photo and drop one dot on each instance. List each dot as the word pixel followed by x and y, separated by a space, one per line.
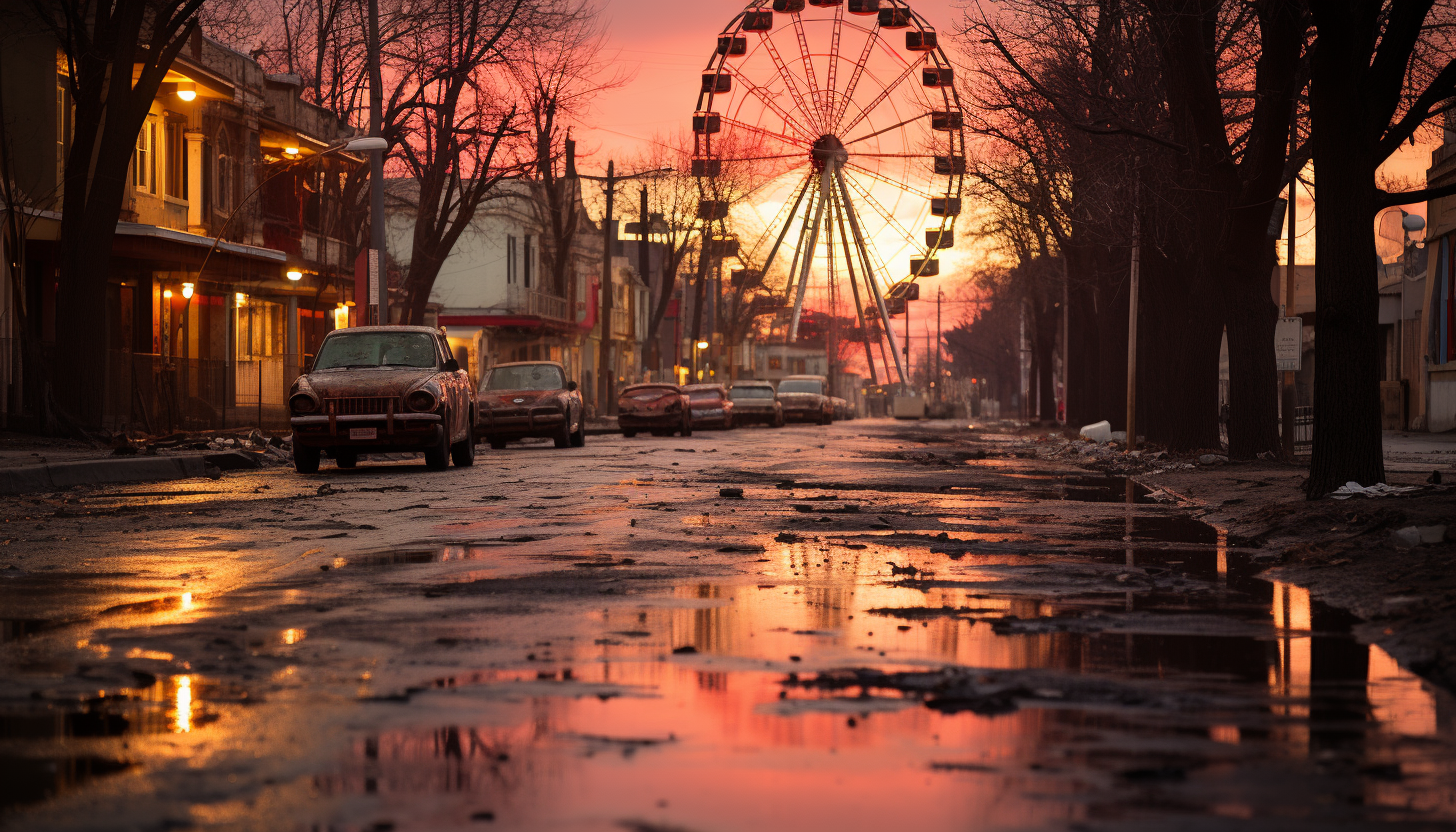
pixel 378 389
pixel 529 398
pixel 659 408
pixel 806 399
pixel 710 406
pixel 754 401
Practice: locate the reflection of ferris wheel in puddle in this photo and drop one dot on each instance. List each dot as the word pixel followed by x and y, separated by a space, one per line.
pixel 858 131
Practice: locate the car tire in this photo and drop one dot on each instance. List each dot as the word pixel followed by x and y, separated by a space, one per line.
pixel 728 423
pixel 438 457
pixel 578 439
pixel 462 453
pixel 687 428
pixel 778 420
pixel 305 459
pixel 562 439
pixel 496 444
pixel 628 434
pixel 345 457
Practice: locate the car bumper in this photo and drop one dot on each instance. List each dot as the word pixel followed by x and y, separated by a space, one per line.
pixel 402 431
pixel 637 421
pixel 520 423
pixel 713 416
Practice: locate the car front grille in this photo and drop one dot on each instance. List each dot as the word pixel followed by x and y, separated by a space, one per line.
pixel 361 406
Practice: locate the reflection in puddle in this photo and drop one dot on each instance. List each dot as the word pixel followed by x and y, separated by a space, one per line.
pixel 726 705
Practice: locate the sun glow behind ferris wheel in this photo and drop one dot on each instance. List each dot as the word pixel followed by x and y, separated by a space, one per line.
pixel 851 105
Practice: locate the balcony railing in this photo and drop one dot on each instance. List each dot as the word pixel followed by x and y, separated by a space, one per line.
pixel 531 302
pixel 621 323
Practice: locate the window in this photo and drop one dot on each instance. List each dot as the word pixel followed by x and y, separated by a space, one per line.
pixel 526 254
pixel 1443 303
pixel 510 259
pixel 65 110
pixel 174 165
pixel 223 172
pixel 144 169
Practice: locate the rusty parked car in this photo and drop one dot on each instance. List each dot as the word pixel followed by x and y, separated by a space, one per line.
pixel 662 409
pixel 529 398
pixel 709 406
pixel 756 402
pixel 806 399
pixel 380 389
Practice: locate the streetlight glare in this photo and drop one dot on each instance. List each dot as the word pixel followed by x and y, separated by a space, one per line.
pixel 369 143
pixel 702 345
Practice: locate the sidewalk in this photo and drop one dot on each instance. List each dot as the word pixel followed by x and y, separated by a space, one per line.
pixel 1419 453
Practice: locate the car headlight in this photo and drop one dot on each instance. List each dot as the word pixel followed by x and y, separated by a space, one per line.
pixel 302 403
pixel 420 401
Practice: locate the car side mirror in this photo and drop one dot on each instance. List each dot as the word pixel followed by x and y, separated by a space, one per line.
pixel 452 366
pixel 571 386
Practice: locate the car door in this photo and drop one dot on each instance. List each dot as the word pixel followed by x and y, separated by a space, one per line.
pixel 453 388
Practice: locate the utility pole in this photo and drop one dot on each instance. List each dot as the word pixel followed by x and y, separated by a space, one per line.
pixel 908 368
pixel 1286 400
pixel 939 377
pixel 1132 312
pixel 605 374
pixel 1066 333
pixel 643 252
pixel 378 301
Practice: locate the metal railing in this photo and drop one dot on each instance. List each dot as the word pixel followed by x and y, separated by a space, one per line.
pixel 1303 431
pixel 533 302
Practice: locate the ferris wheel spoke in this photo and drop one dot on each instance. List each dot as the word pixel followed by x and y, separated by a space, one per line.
pixel 896 126
pixel 859 309
pixel 854 77
pixel 889 218
pixel 829 102
pixel 765 132
pixel 790 82
pixel 787 220
pixel 879 177
pixel 768 99
pixel 808 261
pixel 809 72
pixel 885 93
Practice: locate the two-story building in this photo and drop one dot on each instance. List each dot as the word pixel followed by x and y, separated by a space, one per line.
pixel 234 250
pixel 1433 401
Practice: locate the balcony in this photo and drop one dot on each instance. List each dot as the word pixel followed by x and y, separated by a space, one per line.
pixel 621 323
pixel 525 301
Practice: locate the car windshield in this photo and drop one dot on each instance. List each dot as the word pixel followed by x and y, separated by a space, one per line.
pixel 376 349
pixel 704 396
pixel 525 377
pixel 801 385
pixel 739 393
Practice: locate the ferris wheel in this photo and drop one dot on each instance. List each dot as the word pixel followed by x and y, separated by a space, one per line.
pixel 851 109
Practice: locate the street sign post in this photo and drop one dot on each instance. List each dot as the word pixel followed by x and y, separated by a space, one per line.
pixel 1287 336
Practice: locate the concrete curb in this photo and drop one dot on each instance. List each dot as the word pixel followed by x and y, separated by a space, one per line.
pixel 93 471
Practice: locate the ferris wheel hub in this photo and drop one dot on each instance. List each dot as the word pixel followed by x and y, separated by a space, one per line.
pixel 828 148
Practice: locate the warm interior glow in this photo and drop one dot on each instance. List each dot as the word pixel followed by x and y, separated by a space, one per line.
pixel 290 151
pixel 187 290
pixel 341 317
pixel 240 299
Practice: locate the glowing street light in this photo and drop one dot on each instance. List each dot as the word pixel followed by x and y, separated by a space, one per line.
pixel 187 91
pixel 295 273
pixel 187 290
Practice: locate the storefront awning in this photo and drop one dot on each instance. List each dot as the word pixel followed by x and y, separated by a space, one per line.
pixel 134 229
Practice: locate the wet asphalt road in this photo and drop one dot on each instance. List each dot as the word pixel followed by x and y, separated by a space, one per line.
pixel 897 626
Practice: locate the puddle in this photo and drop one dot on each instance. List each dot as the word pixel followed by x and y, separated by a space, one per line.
pixel 822 691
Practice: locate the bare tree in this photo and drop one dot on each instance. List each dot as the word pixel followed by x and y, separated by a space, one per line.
pixel 116 52
pixel 1381 70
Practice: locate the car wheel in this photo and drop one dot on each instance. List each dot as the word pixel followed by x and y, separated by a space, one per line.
pixel 305 459
pixel 438 457
pixel 628 434
pixel 496 444
pixel 687 428
pixel 578 439
pixel 345 457
pixel 462 453
pixel 778 421
pixel 728 423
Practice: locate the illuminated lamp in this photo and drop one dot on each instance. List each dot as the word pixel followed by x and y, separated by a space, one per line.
pixel 187 290
pixel 186 90
pixel 167 293
pixel 290 151
pixel 702 345
pixel 240 299
pixel 295 273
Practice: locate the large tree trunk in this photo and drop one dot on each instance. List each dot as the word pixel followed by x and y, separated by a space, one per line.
pixel 1347 446
pixel 1177 357
pixel 1046 321
pixel 1250 314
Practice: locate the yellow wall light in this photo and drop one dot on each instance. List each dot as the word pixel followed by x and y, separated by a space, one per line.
pixel 187 91
pixel 295 274
pixel 187 290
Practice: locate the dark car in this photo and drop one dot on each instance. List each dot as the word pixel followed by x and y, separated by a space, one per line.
pixel 755 402
pixel 529 398
pixel 380 389
pixel 710 406
pixel 805 399
pixel 660 408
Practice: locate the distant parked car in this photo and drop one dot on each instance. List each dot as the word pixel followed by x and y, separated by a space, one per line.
pixel 755 401
pixel 660 408
pixel 380 389
pixel 804 399
pixel 710 406
pixel 842 409
pixel 529 398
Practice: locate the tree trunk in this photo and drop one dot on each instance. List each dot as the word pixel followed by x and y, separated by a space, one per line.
pixel 1347 438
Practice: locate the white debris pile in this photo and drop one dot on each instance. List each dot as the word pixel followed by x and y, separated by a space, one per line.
pixel 1380 489
pixel 1413 536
